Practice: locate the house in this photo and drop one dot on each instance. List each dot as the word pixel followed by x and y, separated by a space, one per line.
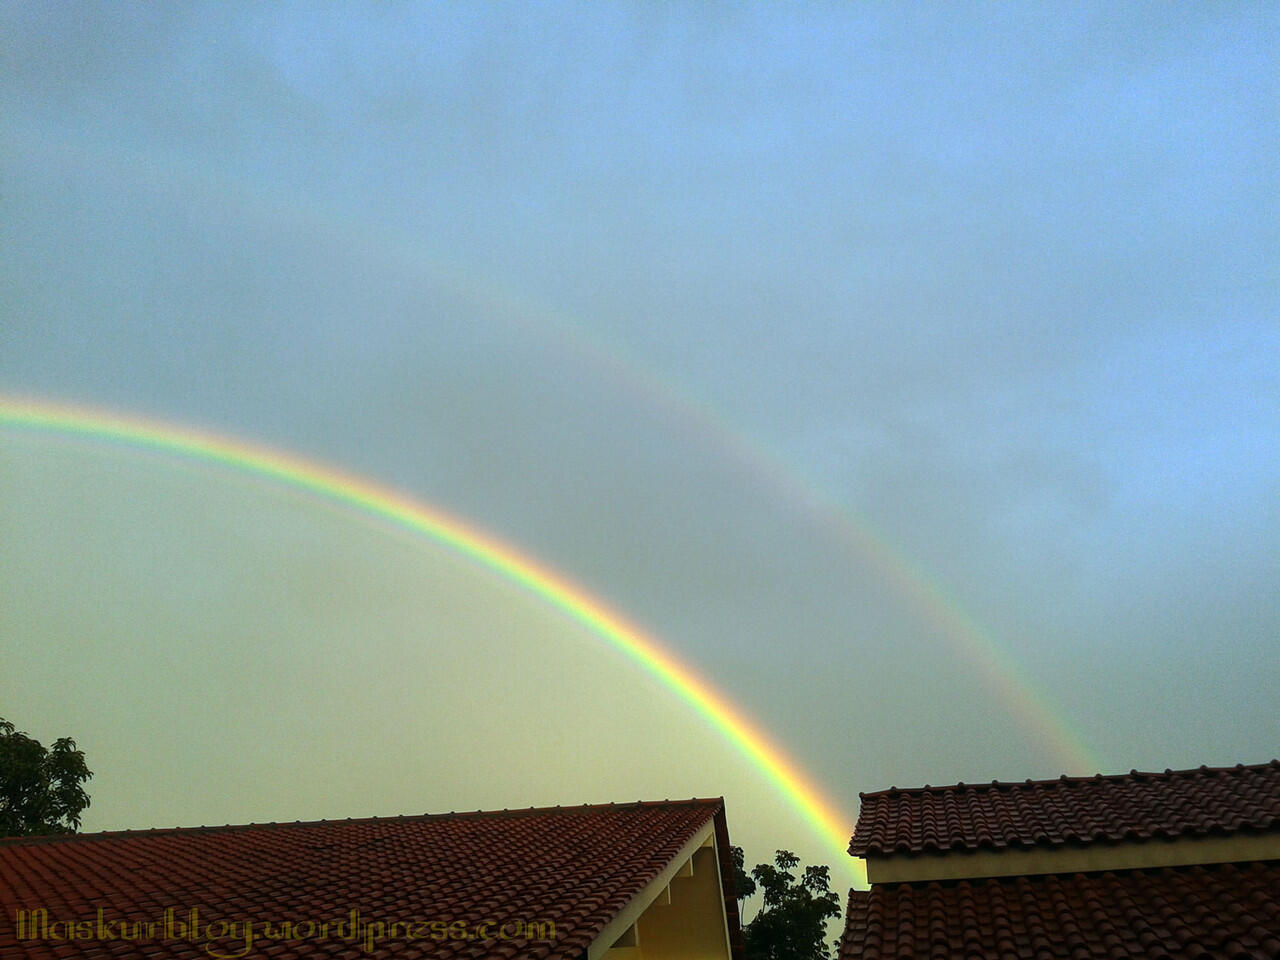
pixel 640 881
pixel 1179 864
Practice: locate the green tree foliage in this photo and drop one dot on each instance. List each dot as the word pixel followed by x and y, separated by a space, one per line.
pixel 792 923
pixel 40 790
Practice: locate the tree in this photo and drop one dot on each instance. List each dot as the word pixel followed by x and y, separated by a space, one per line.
pixel 792 923
pixel 40 790
pixel 742 880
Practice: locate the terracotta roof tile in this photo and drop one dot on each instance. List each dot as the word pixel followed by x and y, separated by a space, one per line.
pixel 1229 911
pixel 576 866
pixel 1126 807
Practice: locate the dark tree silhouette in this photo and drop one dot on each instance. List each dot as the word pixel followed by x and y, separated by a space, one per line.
pixel 792 923
pixel 742 880
pixel 40 790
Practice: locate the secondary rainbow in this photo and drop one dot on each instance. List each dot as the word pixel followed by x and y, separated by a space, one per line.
pixel 994 666
pixel 830 823
pixel 977 647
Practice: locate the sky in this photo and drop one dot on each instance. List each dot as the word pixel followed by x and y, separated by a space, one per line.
pixel 909 373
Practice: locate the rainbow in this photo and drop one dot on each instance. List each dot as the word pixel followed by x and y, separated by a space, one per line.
pixel 969 641
pixel 828 821
pixel 975 646
pixel 972 644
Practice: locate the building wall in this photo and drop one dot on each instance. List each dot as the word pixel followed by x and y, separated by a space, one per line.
pixel 691 926
pixel 1238 848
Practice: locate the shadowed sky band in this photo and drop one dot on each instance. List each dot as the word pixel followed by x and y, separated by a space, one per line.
pixel 615 365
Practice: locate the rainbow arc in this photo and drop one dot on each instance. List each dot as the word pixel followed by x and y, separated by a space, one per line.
pixel 825 818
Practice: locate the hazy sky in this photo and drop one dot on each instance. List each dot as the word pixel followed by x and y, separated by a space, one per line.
pixel 849 349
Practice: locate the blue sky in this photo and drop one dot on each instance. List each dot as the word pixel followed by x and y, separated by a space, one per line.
pixel 671 296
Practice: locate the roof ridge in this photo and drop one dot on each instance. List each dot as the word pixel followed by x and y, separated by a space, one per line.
pixel 1067 780
pixel 716 803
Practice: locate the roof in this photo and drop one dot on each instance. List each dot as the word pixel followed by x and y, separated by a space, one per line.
pixel 1229 911
pixel 1080 810
pixel 576 866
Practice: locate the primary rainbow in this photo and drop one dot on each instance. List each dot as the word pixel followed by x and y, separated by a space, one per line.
pixel 831 824
pixel 993 665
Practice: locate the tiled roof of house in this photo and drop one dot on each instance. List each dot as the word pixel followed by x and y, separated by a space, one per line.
pixel 575 866
pixel 1081 810
pixel 1231 911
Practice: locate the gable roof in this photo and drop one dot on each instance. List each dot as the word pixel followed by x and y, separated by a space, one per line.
pixel 1081 810
pixel 577 867
pixel 1182 913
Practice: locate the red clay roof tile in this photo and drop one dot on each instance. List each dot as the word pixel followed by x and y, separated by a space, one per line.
pixel 576 866
pixel 1126 807
pixel 1179 913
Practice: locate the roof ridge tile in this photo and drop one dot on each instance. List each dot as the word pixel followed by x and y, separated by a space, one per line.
pixel 392 818
pixel 1132 807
